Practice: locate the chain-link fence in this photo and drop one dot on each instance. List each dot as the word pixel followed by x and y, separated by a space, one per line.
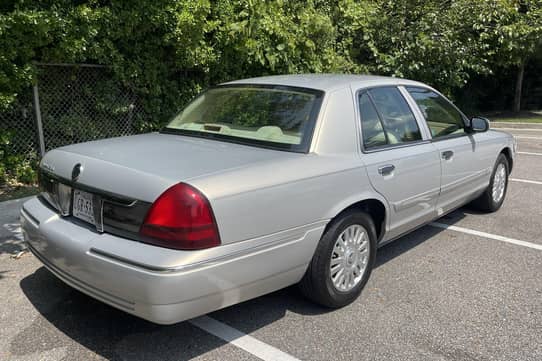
pixel 18 129
pixel 81 103
pixel 69 104
pixel 18 140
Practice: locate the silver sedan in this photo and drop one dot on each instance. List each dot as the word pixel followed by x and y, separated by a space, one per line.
pixel 259 184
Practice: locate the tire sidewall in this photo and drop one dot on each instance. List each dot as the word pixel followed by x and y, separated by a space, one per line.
pixel 339 297
pixel 496 205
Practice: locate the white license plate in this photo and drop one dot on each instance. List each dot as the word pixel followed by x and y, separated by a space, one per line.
pixel 83 207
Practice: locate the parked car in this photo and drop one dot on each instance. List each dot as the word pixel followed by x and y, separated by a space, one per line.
pixel 259 184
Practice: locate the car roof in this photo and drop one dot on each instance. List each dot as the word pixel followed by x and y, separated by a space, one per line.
pixel 325 82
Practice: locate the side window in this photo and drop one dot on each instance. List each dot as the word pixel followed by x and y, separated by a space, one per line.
pixel 386 118
pixel 442 117
pixel 397 118
pixel 371 127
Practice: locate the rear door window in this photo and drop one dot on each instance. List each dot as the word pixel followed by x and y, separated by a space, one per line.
pixel 371 126
pixel 386 118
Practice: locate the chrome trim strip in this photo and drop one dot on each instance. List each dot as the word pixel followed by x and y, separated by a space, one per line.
pixel 204 263
pixel 412 201
pixel 99 197
pixel 103 254
pixel 384 148
pixel 110 196
pixel 470 198
pixel 463 181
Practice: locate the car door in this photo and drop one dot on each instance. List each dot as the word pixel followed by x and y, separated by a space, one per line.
pixel 465 163
pixel 401 162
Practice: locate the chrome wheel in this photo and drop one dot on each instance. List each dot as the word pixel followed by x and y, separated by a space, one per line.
pixel 349 258
pixel 499 183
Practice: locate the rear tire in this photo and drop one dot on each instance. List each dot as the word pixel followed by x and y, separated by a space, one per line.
pixel 493 197
pixel 350 244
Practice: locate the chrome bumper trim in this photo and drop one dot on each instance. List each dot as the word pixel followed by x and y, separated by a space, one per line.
pixel 187 267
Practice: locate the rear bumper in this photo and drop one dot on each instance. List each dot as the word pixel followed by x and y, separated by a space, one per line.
pixel 162 285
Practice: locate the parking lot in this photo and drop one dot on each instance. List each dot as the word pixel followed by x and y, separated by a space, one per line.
pixel 469 292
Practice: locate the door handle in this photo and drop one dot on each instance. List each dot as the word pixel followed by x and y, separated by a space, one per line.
pixel 447 154
pixel 386 169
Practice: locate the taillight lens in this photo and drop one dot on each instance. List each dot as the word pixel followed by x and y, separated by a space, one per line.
pixel 181 218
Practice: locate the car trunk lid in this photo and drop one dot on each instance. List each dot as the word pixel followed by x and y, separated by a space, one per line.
pixel 143 166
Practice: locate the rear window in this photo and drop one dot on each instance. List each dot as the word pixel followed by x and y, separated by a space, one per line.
pixel 268 116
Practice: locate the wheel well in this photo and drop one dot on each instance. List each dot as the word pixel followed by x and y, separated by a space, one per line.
pixel 508 154
pixel 373 208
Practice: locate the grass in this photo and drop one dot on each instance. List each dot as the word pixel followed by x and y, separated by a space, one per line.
pixel 19 191
pixel 522 117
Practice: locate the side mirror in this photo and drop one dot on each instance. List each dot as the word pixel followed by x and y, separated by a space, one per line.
pixel 479 124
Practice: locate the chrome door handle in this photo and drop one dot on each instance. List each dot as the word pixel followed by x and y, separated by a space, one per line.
pixel 447 154
pixel 386 169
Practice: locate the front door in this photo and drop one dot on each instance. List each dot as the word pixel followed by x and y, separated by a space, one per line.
pixel 401 164
pixel 464 167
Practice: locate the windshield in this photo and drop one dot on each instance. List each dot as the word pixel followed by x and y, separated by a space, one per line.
pixel 269 116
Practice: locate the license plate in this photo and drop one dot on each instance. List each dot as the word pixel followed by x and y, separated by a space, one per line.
pixel 83 207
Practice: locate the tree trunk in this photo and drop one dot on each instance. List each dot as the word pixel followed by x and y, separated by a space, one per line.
pixel 519 85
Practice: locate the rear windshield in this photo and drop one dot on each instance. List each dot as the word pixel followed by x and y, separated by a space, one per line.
pixel 268 116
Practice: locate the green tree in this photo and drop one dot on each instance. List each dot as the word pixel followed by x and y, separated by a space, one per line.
pixel 520 39
pixel 513 31
pixel 429 40
pixel 168 50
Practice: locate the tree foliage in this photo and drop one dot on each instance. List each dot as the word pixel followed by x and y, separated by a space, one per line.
pixel 168 50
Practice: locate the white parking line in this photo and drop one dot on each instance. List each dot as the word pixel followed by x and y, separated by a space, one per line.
pixel 241 340
pixel 496 122
pixel 524 137
pixel 229 334
pixel 525 181
pixel 520 129
pixel 496 237
pixel 529 153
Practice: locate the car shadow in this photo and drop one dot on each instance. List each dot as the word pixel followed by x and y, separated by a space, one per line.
pixel 116 335
pixel 396 248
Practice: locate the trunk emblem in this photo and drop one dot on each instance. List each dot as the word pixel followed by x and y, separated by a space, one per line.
pixel 76 172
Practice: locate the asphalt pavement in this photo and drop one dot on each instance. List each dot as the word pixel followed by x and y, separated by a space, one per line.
pixel 471 293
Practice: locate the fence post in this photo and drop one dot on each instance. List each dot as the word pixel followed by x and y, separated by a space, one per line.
pixel 39 124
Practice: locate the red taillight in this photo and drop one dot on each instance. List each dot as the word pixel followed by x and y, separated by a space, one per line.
pixel 181 218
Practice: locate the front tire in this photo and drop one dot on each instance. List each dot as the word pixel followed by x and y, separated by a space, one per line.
pixel 342 262
pixel 493 197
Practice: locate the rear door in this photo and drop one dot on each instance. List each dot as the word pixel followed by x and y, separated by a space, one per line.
pixel 466 163
pixel 401 162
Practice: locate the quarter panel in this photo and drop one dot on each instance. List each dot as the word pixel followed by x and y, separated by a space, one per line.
pixel 269 198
